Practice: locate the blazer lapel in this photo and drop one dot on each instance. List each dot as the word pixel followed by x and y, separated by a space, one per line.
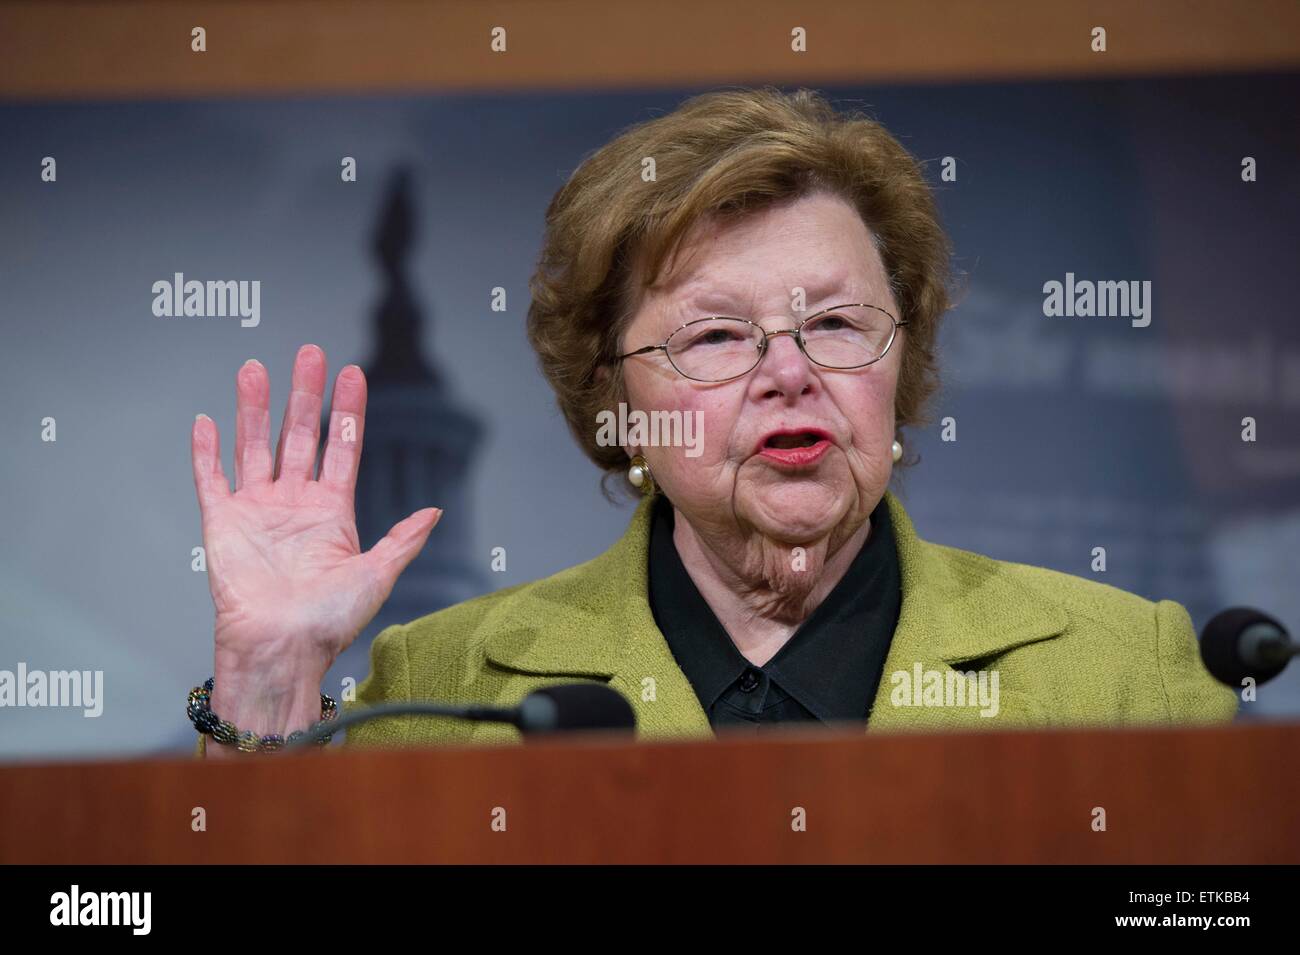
pixel 593 621
pixel 958 608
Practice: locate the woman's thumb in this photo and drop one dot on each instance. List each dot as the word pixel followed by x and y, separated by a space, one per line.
pixel 391 555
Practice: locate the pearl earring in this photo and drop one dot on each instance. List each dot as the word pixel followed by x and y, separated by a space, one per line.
pixel 639 474
pixel 898 451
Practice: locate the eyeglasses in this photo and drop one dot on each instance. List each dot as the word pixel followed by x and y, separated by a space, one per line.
pixel 720 349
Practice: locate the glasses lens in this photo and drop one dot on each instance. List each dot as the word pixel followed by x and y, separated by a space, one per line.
pixel 848 336
pixel 715 349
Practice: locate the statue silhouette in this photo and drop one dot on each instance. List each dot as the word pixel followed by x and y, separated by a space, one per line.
pixel 417 447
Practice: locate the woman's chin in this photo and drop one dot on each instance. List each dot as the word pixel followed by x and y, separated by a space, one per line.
pixel 794 514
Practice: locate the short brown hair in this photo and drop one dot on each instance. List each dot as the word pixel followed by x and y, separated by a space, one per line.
pixel 724 153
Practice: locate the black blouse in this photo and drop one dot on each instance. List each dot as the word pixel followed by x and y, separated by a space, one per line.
pixel 829 669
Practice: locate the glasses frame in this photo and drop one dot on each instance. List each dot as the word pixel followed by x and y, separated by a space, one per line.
pixel 762 345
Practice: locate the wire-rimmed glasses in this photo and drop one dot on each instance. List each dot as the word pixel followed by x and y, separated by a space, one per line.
pixel 718 348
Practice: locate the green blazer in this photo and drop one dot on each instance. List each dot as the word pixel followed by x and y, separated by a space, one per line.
pixel 1067 651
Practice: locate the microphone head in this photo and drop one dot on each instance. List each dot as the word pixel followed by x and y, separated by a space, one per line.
pixel 573 707
pixel 1229 658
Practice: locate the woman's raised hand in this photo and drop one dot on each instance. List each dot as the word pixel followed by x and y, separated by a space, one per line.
pixel 291 586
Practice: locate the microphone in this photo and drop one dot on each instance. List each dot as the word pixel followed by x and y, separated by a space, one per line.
pixel 574 706
pixel 1241 643
pixel 571 707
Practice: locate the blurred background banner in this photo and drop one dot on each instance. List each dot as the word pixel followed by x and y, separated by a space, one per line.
pixel 1170 159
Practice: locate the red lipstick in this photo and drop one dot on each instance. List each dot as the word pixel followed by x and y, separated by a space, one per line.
pixel 794 448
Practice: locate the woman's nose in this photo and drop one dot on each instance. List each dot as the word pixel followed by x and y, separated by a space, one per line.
pixel 784 366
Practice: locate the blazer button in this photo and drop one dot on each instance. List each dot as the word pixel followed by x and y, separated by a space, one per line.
pixel 748 681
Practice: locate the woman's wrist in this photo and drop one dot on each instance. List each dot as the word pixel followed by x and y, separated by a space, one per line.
pixel 280 695
pixel 265 708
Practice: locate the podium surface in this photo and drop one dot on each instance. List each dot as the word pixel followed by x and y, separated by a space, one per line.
pixel 805 795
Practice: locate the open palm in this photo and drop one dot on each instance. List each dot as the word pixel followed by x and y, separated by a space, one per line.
pixel 291 585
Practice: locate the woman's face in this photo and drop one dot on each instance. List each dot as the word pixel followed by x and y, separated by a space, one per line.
pixel 754 269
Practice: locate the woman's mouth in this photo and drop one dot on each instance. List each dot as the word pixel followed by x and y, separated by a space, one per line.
pixel 795 449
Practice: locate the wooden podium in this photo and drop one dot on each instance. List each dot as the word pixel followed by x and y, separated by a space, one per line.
pixel 1216 795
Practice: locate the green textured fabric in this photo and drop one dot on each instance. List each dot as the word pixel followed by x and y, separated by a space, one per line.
pixel 1067 651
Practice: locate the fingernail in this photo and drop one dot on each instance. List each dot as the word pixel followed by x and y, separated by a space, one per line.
pixel 200 416
pixel 251 361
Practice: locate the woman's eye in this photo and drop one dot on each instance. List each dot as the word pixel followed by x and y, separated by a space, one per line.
pixel 831 323
pixel 716 336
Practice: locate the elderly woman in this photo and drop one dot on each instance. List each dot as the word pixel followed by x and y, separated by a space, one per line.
pixel 776 272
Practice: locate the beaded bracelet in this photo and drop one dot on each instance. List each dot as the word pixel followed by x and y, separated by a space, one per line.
pixel 199 710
